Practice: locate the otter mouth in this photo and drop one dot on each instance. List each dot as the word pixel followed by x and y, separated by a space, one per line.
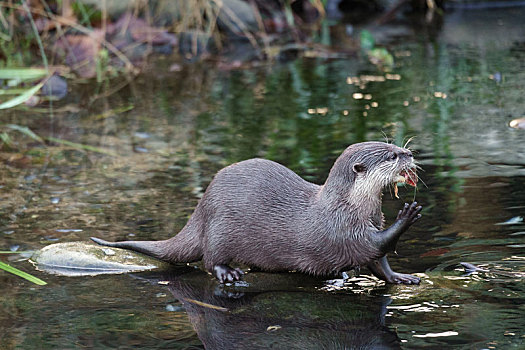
pixel 406 176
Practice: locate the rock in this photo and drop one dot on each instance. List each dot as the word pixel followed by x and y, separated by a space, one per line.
pixel 84 259
pixel 194 43
pixel 518 123
pixel 81 52
pixel 55 87
pixel 237 16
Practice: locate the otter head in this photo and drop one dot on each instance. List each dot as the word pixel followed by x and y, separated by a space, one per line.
pixel 377 165
pixel 365 169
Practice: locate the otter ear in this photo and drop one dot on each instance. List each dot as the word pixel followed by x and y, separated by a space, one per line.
pixel 358 167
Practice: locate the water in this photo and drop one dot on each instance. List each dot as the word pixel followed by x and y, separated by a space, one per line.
pixel 169 132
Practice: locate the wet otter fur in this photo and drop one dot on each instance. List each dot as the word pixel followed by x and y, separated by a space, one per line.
pixel 260 213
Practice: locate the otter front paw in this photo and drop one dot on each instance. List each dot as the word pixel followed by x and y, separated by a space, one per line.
pixel 224 273
pixel 410 213
pixel 398 278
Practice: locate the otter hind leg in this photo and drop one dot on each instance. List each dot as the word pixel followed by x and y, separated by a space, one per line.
pixel 225 274
pixel 381 269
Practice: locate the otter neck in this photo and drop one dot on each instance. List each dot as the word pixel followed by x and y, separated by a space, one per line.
pixel 344 195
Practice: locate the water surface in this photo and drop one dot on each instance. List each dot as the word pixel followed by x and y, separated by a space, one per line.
pixel 168 133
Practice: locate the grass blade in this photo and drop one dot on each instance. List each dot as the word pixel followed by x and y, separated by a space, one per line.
pixel 81 146
pixel 22 274
pixel 288 14
pixel 26 131
pixel 4 137
pixel 23 73
pixel 21 98
pixel 12 91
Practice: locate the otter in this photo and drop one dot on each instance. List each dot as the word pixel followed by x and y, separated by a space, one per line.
pixel 259 213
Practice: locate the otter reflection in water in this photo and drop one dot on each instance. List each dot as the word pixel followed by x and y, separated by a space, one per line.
pixel 281 311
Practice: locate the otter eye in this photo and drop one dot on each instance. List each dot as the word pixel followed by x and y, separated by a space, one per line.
pixel 393 156
pixel 358 168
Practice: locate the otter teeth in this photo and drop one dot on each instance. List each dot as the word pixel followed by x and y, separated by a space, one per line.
pixel 400 178
pixel 405 177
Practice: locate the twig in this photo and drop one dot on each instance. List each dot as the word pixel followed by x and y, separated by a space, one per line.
pixel 149 36
pixel 38 39
pixel 387 17
pixel 104 18
pixel 234 19
pixel 113 90
pixel 4 21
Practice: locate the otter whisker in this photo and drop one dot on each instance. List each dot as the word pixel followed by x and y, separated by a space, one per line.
pixel 418 167
pixel 386 137
pixel 423 182
pixel 406 143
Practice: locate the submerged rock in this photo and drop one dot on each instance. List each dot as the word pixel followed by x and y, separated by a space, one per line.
pixel 55 87
pixel 518 123
pixel 85 259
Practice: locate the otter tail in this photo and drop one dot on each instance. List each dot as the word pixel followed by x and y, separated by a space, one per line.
pixel 151 248
pixel 184 247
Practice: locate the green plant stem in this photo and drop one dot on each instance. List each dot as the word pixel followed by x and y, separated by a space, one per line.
pixel 22 274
